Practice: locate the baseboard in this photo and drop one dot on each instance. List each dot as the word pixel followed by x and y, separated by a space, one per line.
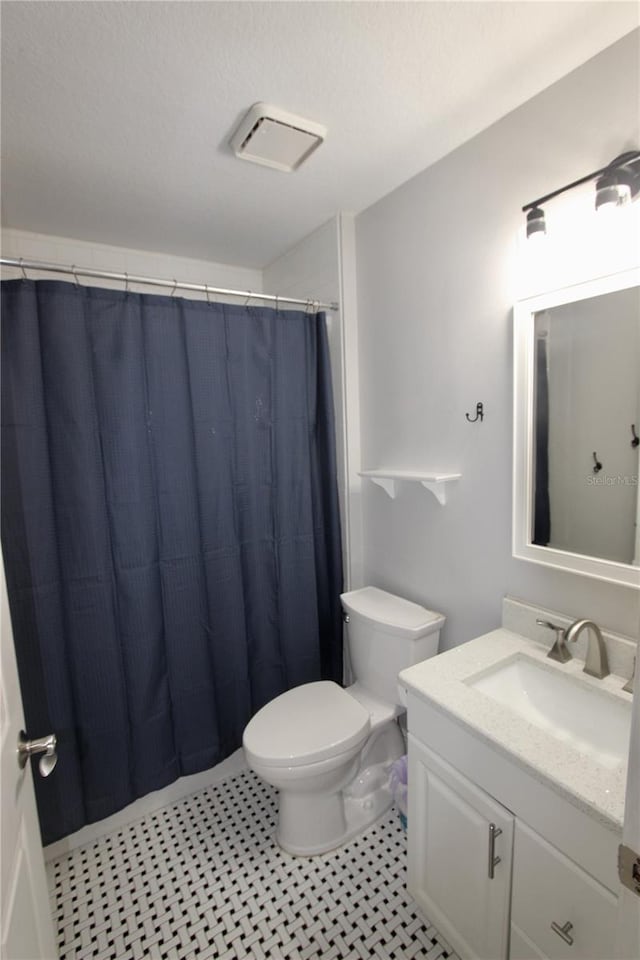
pixel 181 788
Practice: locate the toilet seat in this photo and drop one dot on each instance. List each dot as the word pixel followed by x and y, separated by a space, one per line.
pixel 312 722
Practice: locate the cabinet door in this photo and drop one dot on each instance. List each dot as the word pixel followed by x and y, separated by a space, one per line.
pixel 449 828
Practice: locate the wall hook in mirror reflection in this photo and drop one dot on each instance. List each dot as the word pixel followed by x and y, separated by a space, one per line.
pixel 597 466
pixel 636 439
pixel 479 414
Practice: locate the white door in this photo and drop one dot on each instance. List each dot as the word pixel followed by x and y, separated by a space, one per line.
pixel 458 873
pixel 27 929
pixel 629 904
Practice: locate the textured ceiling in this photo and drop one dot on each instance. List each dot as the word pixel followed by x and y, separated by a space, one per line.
pixel 116 115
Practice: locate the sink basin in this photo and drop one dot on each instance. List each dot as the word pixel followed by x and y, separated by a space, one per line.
pixel 590 720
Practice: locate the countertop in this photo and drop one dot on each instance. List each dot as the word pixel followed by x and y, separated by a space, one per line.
pixel 599 791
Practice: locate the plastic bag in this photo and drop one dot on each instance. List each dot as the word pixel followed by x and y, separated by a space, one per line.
pixel 398 782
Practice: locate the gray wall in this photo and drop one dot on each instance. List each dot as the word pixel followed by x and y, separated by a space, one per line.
pixel 436 263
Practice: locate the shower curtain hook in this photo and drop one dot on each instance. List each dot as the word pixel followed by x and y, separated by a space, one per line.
pixel 126 282
pixel 277 303
pixel 175 284
pixel 24 272
pixel 248 298
pixel 206 287
pixel 75 275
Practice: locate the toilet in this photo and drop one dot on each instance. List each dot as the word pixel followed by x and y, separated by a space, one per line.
pixel 329 750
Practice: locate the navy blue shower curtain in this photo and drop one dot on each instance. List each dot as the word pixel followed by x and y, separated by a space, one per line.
pixel 542 505
pixel 170 529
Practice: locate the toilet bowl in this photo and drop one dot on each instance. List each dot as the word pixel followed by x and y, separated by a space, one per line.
pixel 328 750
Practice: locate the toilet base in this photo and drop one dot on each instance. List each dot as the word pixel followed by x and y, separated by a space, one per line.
pixel 306 830
pixel 311 824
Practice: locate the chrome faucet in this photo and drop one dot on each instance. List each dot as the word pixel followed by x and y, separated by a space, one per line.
pixel 559 651
pixel 597 662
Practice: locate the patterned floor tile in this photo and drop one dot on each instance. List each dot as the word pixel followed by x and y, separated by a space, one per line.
pixel 204 880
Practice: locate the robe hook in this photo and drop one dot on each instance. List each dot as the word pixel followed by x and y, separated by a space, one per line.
pixel 479 414
pixel 636 439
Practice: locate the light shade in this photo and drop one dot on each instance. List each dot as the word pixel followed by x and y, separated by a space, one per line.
pixel 535 223
pixel 611 190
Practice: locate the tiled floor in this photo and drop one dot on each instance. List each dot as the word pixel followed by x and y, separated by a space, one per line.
pixel 204 879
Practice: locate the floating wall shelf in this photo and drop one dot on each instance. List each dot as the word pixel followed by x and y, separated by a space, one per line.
pixel 389 480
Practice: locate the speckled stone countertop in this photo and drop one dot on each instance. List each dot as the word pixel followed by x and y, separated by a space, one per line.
pixel 584 782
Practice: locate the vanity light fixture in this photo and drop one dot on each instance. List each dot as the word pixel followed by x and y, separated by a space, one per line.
pixel 609 192
pixel 536 226
pixel 620 183
pixel 615 184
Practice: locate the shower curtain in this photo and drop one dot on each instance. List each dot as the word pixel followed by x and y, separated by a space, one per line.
pixel 541 506
pixel 170 529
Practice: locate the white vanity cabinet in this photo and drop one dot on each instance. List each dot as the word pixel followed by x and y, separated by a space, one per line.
pixel 460 848
pixel 506 755
pixel 535 903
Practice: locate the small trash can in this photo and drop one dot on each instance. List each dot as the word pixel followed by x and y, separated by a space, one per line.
pixel 399 777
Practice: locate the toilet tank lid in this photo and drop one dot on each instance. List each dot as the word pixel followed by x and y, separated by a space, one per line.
pixel 385 609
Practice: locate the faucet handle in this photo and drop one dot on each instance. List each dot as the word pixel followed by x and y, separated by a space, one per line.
pixel 559 651
pixel 629 684
pixel 549 625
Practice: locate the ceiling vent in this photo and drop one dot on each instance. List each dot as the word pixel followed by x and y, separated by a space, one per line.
pixel 275 138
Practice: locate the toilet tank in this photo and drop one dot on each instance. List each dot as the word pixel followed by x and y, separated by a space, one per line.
pixel 385 634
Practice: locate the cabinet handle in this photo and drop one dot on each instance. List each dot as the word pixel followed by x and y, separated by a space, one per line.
pixel 563 932
pixel 493 860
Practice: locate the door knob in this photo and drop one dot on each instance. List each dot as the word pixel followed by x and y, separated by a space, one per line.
pixel 44 745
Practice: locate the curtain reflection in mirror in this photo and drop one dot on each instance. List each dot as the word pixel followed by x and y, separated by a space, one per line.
pixel 542 507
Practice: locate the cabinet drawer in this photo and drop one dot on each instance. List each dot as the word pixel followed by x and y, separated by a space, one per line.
pixel 549 888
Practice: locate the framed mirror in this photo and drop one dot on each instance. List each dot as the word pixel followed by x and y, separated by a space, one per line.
pixel 576 493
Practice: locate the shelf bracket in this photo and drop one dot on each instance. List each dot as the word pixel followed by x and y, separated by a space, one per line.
pixel 438 488
pixel 388 484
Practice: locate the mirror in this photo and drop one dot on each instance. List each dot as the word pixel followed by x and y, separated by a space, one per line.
pixel 577 417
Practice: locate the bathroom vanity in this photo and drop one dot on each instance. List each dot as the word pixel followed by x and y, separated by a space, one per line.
pixel 517 771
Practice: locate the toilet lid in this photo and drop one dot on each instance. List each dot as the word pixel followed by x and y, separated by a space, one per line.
pixel 310 723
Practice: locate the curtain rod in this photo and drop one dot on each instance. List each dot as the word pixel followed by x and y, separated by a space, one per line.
pixel 128 278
